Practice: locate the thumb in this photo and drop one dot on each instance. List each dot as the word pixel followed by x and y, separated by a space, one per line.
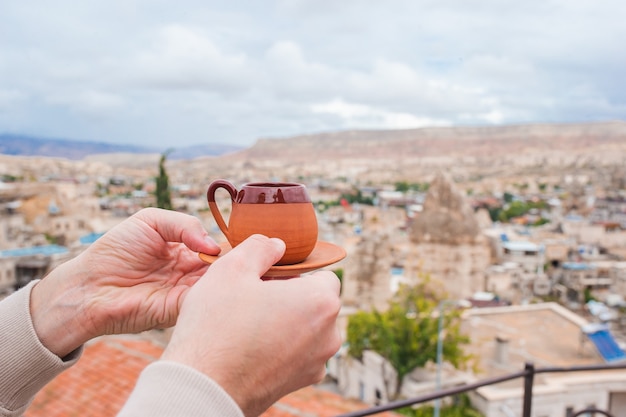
pixel 252 257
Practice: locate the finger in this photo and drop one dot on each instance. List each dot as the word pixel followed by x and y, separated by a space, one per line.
pixel 327 278
pixel 252 257
pixel 179 227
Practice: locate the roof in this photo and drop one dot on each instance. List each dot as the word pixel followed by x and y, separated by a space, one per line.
pixel 101 381
pixel 604 342
pixel 315 402
pixel 90 238
pixel 99 384
pixel 530 331
pixel 45 250
pixel 577 266
pixel 518 245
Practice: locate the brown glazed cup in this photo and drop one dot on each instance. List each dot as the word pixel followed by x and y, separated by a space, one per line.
pixel 274 209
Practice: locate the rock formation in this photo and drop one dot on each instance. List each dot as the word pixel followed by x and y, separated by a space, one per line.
pixel 366 283
pixel 446 218
pixel 447 243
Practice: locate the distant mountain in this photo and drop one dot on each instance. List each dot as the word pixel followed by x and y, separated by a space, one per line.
pixel 11 144
pixel 210 149
pixel 476 141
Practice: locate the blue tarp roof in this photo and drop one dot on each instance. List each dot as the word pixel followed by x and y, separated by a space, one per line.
pixel 577 266
pixel 90 238
pixel 605 343
pixel 45 250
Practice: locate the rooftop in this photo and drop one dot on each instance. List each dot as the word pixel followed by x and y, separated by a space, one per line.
pixel 45 250
pixel 518 245
pixel 527 330
pixel 546 334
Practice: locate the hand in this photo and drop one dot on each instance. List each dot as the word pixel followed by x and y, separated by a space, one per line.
pixel 258 339
pixel 132 279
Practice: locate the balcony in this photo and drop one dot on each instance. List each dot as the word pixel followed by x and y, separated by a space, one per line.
pixel 616 406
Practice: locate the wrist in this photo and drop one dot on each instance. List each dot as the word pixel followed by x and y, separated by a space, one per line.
pixel 57 310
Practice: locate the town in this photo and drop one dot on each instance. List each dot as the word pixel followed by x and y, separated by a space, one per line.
pixel 527 246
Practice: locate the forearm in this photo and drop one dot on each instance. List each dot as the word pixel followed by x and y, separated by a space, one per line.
pixel 26 365
pixel 57 307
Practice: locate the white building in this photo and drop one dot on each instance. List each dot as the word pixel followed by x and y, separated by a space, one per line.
pixel 503 340
pixel 528 255
pixel 547 335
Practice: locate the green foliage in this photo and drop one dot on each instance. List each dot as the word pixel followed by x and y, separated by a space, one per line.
pixel 405 186
pixel 52 240
pixel 460 408
pixel 339 273
pixel 515 209
pixel 163 196
pixel 10 178
pixel 406 333
pixel 321 206
pixel 588 295
pixel 519 208
pixel 494 213
pixel 356 197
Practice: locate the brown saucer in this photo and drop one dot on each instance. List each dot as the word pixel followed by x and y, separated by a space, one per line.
pixel 324 254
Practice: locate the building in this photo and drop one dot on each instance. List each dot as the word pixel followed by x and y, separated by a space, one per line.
pixel 21 265
pixel 547 335
pixel 503 340
pixel 528 255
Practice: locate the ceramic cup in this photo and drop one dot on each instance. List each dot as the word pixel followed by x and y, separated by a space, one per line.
pixel 274 209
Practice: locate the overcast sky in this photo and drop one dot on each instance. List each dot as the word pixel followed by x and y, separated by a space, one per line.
pixel 167 73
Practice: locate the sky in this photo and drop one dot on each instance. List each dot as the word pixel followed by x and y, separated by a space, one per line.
pixel 163 73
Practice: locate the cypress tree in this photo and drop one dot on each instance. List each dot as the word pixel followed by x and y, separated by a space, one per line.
pixel 163 196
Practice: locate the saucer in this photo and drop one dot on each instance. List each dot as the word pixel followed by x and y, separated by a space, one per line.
pixel 323 254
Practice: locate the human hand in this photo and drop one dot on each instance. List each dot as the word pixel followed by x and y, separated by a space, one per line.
pixel 132 279
pixel 259 340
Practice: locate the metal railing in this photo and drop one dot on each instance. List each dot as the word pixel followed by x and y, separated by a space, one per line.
pixel 528 374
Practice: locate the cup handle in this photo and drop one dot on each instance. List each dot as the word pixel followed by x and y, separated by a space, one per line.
pixel 210 195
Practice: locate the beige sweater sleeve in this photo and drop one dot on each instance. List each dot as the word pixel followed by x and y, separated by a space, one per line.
pixel 163 388
pixel 172 389
pixel 25 364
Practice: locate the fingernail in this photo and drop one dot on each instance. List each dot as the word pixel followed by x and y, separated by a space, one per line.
pixel 278 243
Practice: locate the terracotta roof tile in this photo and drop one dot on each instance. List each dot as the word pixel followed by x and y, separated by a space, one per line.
pixel 100 383
pixel 315 402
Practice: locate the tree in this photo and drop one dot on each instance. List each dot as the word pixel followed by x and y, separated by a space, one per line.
pixel 163 196
pixel 406 333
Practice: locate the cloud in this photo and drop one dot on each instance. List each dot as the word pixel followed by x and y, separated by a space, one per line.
pixel 234 72
pixel 11 97
pixel 362 116
pixel 89 101
pixel 182 57
pixel 290 74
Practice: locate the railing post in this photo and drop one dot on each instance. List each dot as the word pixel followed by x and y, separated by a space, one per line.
pixel 528 389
